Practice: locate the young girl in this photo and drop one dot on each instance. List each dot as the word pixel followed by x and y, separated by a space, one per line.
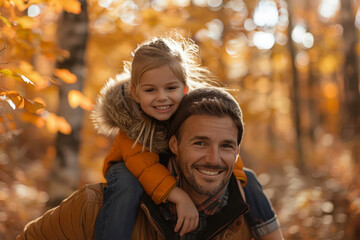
pixel 137 106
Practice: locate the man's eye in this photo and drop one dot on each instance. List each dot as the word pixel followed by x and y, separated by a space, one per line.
pixel 200 143
pixel 228 146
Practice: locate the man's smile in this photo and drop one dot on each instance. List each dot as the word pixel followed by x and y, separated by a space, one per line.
pixel 209 172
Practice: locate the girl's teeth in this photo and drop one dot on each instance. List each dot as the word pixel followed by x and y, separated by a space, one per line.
pixel 163 107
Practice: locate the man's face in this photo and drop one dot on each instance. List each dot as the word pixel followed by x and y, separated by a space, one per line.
pixel 205 153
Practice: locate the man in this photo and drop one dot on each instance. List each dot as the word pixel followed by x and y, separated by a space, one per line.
pixel 205 136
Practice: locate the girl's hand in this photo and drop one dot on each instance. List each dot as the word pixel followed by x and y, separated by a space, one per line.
pixel 188 216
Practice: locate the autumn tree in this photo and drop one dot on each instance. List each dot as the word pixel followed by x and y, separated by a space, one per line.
pixel 72 35
pixel 351 103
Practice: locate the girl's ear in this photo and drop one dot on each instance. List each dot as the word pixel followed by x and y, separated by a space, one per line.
pixel 186 89
pixel 173 144
pixel 134 94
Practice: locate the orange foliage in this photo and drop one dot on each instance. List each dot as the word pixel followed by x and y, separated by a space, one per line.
pixel 76 99
pixel 65 75
pixel 263 79
pixel 55 123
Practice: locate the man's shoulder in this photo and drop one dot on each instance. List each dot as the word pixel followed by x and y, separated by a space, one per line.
pixel 94 192
pixel 74 218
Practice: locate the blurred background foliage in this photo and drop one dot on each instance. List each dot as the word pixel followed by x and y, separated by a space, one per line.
pixel 293 65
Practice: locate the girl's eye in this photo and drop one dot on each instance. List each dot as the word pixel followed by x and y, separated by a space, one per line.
pixel 149 90
pixel 172 88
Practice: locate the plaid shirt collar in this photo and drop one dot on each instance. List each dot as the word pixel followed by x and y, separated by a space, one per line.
pixel 208 207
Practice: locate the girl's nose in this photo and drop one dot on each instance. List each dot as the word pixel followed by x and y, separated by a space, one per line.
pixel 161 95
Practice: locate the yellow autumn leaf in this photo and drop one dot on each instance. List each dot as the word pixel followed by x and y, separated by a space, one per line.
pixel 25 79
pixel 32 106
pixel 55 123
pixel 31 118
pixel 71 6
pixel 76 99
pixel 65 75
pixel 6 72
pixel 5 21
pixel 13 98
pixel 63 126
pixel 25 22
pixel 51 125
pixel 9 93
pixel 20 4
pixel 25 66
pixel 41 101
pixel 38 80
pixel 17 100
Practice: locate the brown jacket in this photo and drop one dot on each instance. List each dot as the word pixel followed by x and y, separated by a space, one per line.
pixel 75 218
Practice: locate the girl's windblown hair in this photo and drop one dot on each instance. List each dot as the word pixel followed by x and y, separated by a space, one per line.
pixel 116 109
pixel 181 54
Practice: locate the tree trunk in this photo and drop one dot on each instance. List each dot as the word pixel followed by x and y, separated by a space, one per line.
pixel 351 112
pixel 72 36
pixel 296 97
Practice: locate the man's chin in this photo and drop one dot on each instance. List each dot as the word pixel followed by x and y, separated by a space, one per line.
pixel 209 189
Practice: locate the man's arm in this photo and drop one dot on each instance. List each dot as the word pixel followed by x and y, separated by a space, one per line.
pixel 74 218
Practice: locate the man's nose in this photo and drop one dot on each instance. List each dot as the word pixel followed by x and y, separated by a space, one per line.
pixel 213 155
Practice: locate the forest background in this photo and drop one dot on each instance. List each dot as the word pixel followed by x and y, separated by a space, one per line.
pixel 294 66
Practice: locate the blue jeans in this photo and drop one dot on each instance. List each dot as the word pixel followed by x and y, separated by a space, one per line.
pixel 121 201
pixel 261 219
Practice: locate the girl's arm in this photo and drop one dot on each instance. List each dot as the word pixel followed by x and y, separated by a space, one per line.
pixel 187 214
pixel 239 171
pixel 155 178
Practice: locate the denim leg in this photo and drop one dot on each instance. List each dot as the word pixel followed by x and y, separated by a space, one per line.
pixel 121 201
pixel 261 219
pixel 261 210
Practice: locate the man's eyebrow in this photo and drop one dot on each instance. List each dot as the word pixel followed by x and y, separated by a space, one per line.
pixel 199 138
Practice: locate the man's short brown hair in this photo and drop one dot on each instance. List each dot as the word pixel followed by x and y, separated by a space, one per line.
pixel 207 101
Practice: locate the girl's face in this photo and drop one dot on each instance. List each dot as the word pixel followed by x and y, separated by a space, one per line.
pixel 159 93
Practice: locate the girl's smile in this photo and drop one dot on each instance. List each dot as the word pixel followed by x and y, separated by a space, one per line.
pixel 159 93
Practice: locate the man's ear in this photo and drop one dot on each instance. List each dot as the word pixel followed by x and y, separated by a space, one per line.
pixel 134 94
pixel 238 150
pixel 173 144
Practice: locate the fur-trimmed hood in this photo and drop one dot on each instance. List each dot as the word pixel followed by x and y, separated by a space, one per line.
pixel 116 110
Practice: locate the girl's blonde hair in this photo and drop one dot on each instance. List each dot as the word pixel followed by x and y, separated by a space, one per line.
pixel 182 56
pixel 179 53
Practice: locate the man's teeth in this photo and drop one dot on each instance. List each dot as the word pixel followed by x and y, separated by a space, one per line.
pixel 212 173
pixel 163 107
